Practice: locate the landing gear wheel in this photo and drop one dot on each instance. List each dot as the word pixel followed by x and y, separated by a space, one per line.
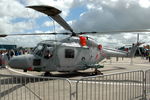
pixel 25 70
pixel 47 74
pixel 97 72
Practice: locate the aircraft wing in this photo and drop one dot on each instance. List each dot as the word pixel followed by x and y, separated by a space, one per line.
pixel 53 13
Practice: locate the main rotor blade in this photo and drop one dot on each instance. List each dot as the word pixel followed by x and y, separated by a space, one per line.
pixel 53 13
pixel 81 33
pixel 108 32
pixel 5 35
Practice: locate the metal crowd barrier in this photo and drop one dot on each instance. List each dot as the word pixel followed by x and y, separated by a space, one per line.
pixel 147 84
pixel 132 85
pixel 120 86
pixel 16 87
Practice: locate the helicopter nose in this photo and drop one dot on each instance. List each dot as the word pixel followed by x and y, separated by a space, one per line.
pixel 18 62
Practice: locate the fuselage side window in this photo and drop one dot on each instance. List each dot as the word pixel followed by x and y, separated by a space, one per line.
pixel 69 53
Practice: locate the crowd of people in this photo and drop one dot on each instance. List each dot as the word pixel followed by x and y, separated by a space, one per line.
pixel 147 55
pixel 6 55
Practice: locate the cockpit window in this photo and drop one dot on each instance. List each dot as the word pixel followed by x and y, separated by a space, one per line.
pixel 48 52
pixel 39 50
pixel 44 50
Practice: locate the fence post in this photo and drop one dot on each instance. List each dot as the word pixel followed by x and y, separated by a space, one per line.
pixel 0 87
pixel 77 89
pixel 144 85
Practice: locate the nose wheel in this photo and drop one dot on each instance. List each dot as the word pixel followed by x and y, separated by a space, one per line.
pixel 47 74
pixel 97 72
pixel 25 70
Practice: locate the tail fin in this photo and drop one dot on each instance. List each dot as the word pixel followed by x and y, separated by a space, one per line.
pixel 133 49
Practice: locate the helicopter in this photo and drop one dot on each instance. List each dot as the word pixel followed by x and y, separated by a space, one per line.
pixel 74 53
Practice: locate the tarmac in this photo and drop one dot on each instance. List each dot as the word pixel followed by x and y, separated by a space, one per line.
pixel 125 64
pixel 13 88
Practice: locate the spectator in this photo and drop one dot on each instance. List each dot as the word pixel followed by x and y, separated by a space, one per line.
pixel 0 58
pixel 7 53
pixel 4 59
pixel 149 56
pixel 12 53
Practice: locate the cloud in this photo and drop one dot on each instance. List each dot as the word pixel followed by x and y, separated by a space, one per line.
pixel 11 11
pixel 144 3
pixel 100 15
pixel 107 15
pixel 112 15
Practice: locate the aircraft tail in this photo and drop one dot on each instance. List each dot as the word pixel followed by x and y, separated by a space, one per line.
pixel 133 49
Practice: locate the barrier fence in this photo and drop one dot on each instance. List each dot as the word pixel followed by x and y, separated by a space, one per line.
pixel 121 86
pixel 132 85
pixel 14 87
pixel 147 84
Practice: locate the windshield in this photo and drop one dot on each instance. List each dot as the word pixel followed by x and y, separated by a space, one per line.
pixel 43 49
pixel 38 50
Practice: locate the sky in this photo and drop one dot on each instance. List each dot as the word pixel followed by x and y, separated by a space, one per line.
pixel 82 16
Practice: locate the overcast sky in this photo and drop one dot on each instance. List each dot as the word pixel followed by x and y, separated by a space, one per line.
pixel 82 15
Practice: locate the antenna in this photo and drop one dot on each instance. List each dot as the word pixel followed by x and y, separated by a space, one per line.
pixel 138 37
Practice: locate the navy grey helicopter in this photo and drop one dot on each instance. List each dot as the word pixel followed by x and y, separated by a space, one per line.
pixel 74 53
